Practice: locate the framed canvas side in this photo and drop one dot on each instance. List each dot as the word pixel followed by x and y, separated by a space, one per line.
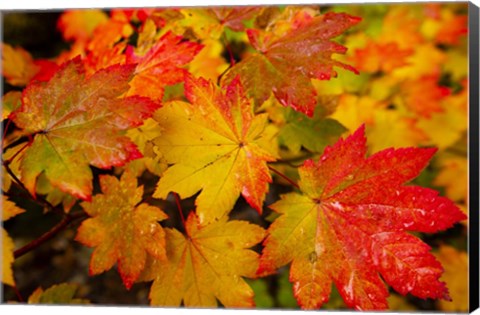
pixel 473 154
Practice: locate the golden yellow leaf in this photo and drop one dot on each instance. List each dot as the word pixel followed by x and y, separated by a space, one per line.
pixel 17 65
pixel 453 176
pixel 445 128
pixel 456 275
pixel 426 60
pixel 9 210
pixel 353 110
pixel 207 264
pixel 78 25
pixel 391 129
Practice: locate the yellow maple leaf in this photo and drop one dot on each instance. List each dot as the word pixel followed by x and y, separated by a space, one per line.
pixel 18 66
pixel 426 60
pixel 453 176
pixel 228 143
pixel 78 25
pixel 455 264
pixel 391 129
pixel 446 127
pixel 353 110
pixel 9 210
pixel 207 264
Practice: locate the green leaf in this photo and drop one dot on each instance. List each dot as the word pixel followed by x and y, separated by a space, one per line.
pixel 57 294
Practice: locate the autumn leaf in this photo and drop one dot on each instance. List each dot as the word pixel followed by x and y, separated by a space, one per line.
pixel 57 294
pixel 426 60
pixel 10 102
pixel 78 25
pixel 286 64
pixel 228 143
pixel 209 63
pixel 54 195
pixel 402 21
pixel 313 134
pixel 348 226
pixel 392 129
pixel 234 17
pixel 18 66
pixel 110 32
pixel 143 137
pixel 453 175
pixel 122 229
pixel 456 276
pixel 423 96
pixel 376 57
pixel 161 65
pixel 77 121
pixel 9 210
pixel 207 264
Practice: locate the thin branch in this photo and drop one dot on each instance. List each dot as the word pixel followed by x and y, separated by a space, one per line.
pixel 37 198
pixel 4 134
pixel 16 142
pixel 6 162
pixel 18 294
pixel 69 218
pixel 284 177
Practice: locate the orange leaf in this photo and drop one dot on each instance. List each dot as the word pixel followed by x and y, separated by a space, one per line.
pixel 161 65
pixel 122 229
pixel 380 57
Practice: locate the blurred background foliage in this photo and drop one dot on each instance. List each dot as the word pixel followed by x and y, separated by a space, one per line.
pixel 411 91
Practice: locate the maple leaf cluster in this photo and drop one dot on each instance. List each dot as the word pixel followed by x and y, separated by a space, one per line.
pixel 149 132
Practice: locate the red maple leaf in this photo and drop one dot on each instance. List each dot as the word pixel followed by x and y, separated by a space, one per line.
pixel 348 226
pixel 285 65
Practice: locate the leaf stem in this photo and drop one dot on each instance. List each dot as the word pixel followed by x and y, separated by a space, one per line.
pixel 16 142
pixel 284 177
pixel 37 198
pixel 69 218
pixel 179 207
pixel 4 134
pixel 16 153
pixel 18 294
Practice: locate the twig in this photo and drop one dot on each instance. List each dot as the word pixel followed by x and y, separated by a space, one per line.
pixel 69 218
pixel 37 198
pixel 17 293
pixel 284 177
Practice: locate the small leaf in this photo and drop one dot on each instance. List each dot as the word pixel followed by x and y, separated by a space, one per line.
pixel 456 276
pixel 161 65
pixel 9 210
pixel 57 294
pixel 18 66
pixel 10 102
pixel 78 25
pixel 122 229
pixel 314 134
